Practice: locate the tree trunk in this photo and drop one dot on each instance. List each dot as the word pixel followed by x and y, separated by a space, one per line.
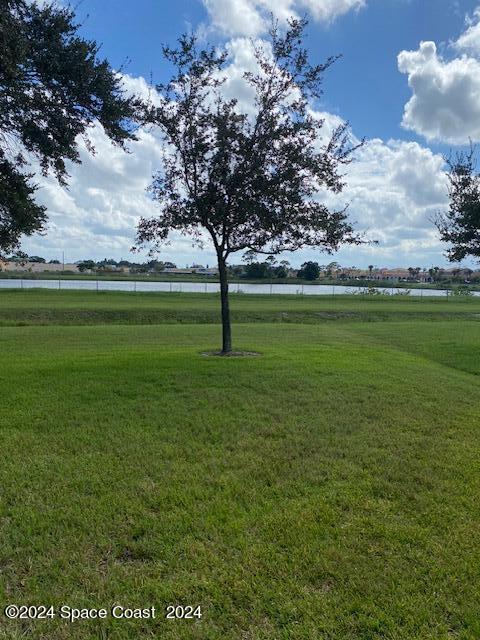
pixel 226 327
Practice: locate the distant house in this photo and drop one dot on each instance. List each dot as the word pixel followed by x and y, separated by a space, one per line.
pixel 207 271
pixel 393 275
pixel 199 269
pixel 114 268
pixel 177 271
pixel 37 267
pixel 399 274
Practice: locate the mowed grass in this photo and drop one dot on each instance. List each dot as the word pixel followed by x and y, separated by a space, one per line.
pixel 325 490
pixel 36 306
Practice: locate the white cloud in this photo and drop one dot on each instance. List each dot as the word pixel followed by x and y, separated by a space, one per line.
pixel 326 10
pixel 96 216
pixel 251 17
pixel 445 102
pixel 393 188
pixel 242 58
pixel 235 16
pixel 469 41
pixel 139 87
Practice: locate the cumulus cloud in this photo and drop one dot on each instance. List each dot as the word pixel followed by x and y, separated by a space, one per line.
pixel 251 17
pixel 469 41
pixel 445 102
pixel 96 216
pixel 139 87
pixel 241 59
pixel 393 189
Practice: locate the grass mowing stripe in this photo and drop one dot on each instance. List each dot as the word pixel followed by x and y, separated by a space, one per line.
pixel 82 307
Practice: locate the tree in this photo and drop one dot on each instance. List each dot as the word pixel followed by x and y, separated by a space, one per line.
pixel 156 265
pixel 250 256
pixel 87 265
pixel 257 270
pixel 413 271
pixel 53 88
pixel 248 181
pixel 236 270
pixel 332 268
pixel 433 273
pixel 460 225
pixel 309 271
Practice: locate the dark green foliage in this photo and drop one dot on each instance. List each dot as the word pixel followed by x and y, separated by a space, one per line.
pixel 87 265
pixel 309 271
pixel 460 226
pixel 262 270
pixel 53 87
pixel 19 213
pixel 257 270
pixel 281 272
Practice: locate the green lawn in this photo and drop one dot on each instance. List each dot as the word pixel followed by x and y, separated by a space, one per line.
pixel 325 490
pixel 38 306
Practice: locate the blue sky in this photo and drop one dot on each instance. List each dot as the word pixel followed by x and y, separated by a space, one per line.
pixel 364 87
pixel 395 185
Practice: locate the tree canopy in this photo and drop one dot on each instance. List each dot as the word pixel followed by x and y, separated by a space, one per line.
pixel 460 225
pixel 53 87
pixel 248 180
pixel 309 271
